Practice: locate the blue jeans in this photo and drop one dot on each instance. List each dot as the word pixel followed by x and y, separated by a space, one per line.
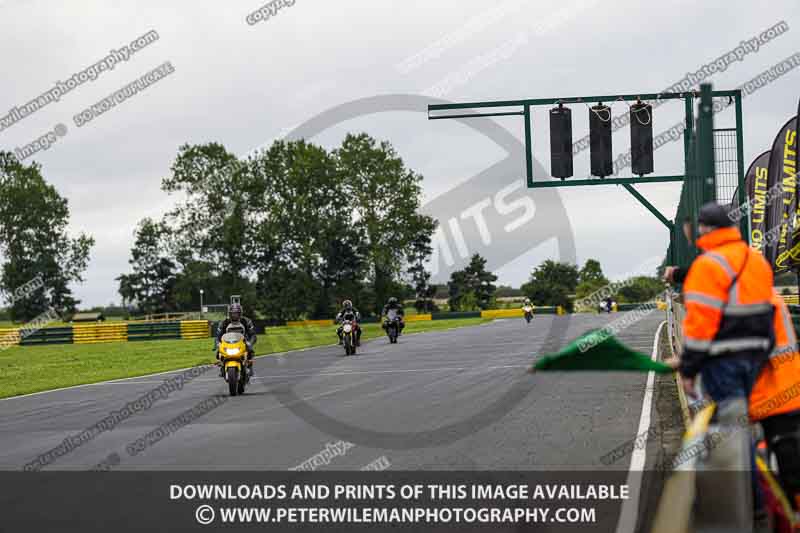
pixel 728 378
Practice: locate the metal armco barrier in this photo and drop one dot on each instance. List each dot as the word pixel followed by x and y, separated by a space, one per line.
pixel 501 313
pixel 48 336
pixel 661 306
pixel 199 329
pixel 364 320
pixel 674 318
pixel 455 315
pixel 154 330
pixel 9 336
pixel 724 500
pixel 489 313
pixel 791 299
pixel 674 513
pixel 195 329
pixel 327 322
pixel 513 313
pixel 109 332
pixel 93 333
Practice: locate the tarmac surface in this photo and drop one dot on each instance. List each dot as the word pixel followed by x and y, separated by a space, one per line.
pixel 455 405
pixel 459 399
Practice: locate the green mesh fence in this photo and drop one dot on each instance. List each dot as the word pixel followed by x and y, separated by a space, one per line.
pixel 700 185
pixel 726 165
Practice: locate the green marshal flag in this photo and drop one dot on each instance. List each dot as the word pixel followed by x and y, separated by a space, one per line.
pixel 599 350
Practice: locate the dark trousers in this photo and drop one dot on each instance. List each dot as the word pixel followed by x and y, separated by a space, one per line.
pixel 782 433
pixel 401 324
pixel 730 377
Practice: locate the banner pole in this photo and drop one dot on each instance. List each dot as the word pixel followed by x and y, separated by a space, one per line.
pixel 797 273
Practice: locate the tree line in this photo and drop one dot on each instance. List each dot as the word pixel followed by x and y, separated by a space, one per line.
pixel 551 283
pixel 38 257
pixel 294 230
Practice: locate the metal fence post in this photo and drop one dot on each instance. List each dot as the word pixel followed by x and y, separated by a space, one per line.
pixel 744 222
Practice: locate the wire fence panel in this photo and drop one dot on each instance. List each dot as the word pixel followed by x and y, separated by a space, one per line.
pixel 726 165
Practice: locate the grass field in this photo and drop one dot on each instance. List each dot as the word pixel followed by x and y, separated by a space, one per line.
pixel 26 369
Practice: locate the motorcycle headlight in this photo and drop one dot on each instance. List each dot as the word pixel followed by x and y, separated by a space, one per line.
pixel 232 351
pixel 347 328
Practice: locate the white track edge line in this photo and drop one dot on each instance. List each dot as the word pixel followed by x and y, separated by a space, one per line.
pixel 629 513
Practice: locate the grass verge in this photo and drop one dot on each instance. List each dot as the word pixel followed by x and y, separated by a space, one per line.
pixel 26 369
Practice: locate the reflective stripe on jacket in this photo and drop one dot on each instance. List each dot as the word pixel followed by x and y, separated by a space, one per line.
pixel 727 294
pixel 777 389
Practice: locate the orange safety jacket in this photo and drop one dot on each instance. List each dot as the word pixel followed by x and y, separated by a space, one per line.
pixel 777 389
pixel 727 294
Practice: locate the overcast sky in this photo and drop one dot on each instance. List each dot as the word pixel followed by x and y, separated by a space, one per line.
pixel 244 85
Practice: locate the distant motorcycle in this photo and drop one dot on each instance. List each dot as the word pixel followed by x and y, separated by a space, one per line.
pixel 528 310
pixel 232 355
pixel 392 325
pixel 606 306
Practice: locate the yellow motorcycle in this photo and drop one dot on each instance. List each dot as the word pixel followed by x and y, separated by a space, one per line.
pixel 233 357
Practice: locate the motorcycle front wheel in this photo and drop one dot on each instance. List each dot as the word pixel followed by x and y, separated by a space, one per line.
pixel 233 380
pixel 348 345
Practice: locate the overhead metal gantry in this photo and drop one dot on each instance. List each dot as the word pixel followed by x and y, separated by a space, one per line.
pixel 699 174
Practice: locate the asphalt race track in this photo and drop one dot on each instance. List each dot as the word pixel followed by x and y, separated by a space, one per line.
pixel 452 400
pixel 458 400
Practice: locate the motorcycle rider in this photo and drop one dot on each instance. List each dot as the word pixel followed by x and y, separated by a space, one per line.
pixel 527 308
pixel 393 304
pixel 348 312
pixel 235 315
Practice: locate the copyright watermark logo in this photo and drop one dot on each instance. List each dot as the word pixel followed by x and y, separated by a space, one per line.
pixel 501 225
pixel 204 515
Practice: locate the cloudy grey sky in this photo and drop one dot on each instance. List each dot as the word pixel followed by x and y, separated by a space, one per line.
pixel 246 84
